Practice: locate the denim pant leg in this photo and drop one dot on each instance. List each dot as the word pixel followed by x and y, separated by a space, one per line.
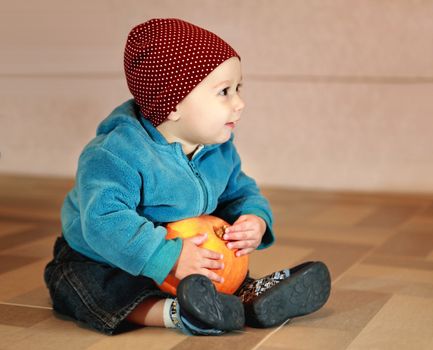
pixel 94 293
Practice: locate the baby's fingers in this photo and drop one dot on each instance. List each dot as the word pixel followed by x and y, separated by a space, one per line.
pixel 242 244
pixel 210 254
pixel 239 235
pixel 213 264
pixel 244 251
pixel 212 276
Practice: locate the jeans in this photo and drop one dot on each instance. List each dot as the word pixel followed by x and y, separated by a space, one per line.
pixel 93 293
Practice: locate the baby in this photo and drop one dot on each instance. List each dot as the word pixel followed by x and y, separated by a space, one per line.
pixel 166 155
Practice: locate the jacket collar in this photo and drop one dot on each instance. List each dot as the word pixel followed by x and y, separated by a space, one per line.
pixel 153 132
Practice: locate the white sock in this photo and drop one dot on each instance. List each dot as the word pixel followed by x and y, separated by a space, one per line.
pixel 286 272
pixel 168 323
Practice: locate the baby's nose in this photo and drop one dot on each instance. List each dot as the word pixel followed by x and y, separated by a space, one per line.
pixel 239 104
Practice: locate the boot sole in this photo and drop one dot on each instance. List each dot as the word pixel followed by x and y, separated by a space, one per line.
pixel 199 298
pixel 304 292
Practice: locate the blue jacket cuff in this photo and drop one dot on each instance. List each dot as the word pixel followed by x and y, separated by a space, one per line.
pixel 163 260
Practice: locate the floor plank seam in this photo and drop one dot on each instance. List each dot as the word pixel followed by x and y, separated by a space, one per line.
pixel 270 335
pixel 26 305
pixel 358 262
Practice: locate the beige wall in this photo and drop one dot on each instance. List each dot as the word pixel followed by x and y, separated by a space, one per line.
pixel 339 93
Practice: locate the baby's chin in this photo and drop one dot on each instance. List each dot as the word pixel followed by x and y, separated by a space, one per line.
pixel 223 136
pixel 227 138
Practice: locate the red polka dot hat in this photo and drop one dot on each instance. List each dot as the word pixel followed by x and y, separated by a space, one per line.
pixel 165 59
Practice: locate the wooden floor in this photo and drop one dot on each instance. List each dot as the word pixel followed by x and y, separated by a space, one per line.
pixel 378 247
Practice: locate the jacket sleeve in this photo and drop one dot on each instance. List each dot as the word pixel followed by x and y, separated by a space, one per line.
pixel 242 196
pixel 109 193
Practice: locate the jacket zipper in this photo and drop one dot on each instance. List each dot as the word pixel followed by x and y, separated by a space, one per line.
pixel 202 184
pixel 197 175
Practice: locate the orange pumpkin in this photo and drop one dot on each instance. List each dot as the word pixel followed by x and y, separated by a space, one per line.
pixel 235 268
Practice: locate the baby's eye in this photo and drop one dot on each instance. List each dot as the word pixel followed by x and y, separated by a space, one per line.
pixel 224 92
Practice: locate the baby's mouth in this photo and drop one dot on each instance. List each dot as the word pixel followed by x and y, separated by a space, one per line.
pixel 232 124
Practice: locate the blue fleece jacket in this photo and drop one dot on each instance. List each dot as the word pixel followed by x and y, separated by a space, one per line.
pixel 130 182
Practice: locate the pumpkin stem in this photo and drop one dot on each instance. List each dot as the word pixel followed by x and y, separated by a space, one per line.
pixel 219 231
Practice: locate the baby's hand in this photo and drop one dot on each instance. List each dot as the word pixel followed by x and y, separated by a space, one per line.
pixel 245 234
pixel 194 259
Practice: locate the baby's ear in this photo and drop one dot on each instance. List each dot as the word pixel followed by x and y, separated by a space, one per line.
pixel 174 116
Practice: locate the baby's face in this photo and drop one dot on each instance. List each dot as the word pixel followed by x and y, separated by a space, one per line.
pixel 211 110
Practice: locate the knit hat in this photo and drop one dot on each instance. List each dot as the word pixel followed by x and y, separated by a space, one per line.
pixel 165 59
